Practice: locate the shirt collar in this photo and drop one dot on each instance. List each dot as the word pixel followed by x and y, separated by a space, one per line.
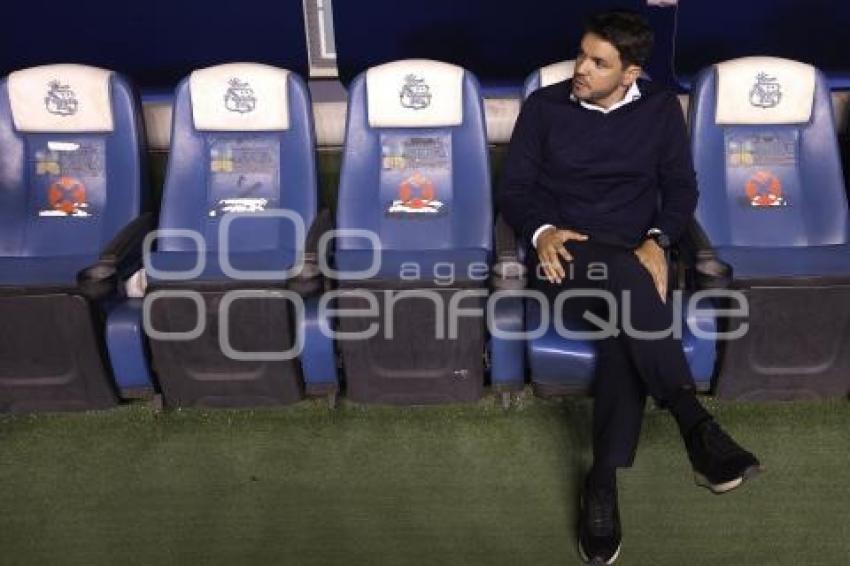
pixel 631 95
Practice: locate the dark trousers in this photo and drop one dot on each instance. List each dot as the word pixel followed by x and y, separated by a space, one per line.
pixel 627 367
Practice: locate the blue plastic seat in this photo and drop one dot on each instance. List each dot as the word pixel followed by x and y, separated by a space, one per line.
pixel 416 178
pixel 239 204
pixel 73 193
pixel 773 207
pixel 548 75
pixel 561 365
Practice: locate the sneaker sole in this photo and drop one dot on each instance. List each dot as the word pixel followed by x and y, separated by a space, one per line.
pixel 725 487
pixel 599 560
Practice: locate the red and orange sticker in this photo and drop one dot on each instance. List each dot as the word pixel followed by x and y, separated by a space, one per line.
pixel 416 191
pixel 764 189
pixel 67 195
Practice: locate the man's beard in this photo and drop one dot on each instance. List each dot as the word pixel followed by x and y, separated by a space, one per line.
pixel 593 96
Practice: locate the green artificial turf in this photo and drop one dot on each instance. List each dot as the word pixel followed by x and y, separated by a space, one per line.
pixel 406 486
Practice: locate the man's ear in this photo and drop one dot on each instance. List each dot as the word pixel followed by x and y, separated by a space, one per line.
pixel 630 75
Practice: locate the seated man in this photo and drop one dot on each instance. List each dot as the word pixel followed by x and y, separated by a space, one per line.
pixel 589 161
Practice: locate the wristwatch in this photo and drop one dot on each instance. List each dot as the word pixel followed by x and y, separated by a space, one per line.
pixel 660 237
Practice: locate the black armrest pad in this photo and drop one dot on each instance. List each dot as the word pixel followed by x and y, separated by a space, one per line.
pixel 121 257
pixel 306 286
pixel 505 240
pixel 710 271
pixel 98 281
pixel 126 247
pixel 508 273
pixel 324 222
pixel 309 281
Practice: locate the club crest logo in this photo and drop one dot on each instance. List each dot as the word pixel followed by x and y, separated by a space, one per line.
pixel 415 93
pixel 60 99
pixel 766 93
pixel 239 97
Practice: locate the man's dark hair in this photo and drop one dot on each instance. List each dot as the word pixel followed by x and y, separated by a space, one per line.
pixel 627 31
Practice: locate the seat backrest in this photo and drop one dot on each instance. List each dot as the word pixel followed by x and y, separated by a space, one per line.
pixel 766 155
pixel 548 75
pixel 242 141
pixel 72 172
pixel 415 168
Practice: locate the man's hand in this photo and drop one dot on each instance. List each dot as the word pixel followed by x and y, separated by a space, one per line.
pixel 652 257
pixel 550 250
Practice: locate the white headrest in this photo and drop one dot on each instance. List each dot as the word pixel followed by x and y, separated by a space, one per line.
pixel 61 98
pixel 415 93
pixel 244 97
pixel 764 90
pixel 556 72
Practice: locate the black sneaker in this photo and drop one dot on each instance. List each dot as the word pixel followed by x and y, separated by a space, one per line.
pixel 599 533
pixel 720 464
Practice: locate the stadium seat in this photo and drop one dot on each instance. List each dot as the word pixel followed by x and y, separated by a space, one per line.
pixel 73 193
pixel 416 222
pixel 232 284
pixel 548 75
pixel 773 209
pixel 560 365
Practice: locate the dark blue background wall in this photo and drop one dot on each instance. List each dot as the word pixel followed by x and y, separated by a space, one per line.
pixel 158 41
pixel 814 31
pixel 501 42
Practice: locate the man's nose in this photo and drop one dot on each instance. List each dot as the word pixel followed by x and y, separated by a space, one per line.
pixel 581 67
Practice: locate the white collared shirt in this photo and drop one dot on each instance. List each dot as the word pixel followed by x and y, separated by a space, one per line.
pixel 631 95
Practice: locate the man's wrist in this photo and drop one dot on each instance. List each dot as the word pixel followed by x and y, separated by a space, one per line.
pixel 659 237
pixel 538 232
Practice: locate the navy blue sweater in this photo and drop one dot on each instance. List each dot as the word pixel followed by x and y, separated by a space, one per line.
pixel 600 174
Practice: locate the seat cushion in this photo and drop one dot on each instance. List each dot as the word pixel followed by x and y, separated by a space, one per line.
pixel 565 363
pixel 812 261
pixel 427 266
pixel 43 271
pixel 260 262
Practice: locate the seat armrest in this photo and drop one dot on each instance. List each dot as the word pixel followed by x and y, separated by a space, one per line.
pixel 509 272
pixel 708 271
pixel 309 280
pixel 118 260
pixel 98 281
pixel 125 250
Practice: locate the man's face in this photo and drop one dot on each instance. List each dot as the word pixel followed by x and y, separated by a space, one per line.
pixel 599 75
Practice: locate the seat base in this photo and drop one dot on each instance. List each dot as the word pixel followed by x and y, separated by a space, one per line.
pixel 564 366
pixel 796 346
pixel 196 372
pixel 51 355
pixel 411 365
